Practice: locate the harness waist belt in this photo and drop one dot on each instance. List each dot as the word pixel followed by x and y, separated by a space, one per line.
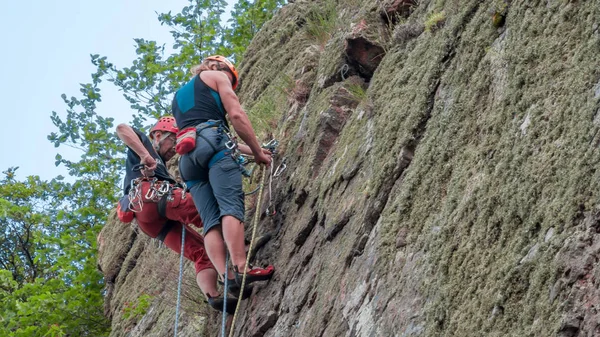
pixel 207 124
pixel 218 156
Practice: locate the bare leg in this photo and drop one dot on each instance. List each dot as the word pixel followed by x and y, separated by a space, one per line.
pixel 233 231
pixel 215 247
pixel 207 281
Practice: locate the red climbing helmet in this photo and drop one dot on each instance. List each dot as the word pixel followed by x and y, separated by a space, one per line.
pixel 166 123
pixel 229 65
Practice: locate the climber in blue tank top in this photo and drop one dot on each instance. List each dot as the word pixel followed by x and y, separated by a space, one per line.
pixel 211 173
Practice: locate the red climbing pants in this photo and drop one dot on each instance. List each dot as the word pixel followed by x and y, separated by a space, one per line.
pixel 182 211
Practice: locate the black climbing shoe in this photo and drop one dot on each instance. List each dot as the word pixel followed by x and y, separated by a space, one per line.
pixel 217 304
pixel 234 289
pixel 255 274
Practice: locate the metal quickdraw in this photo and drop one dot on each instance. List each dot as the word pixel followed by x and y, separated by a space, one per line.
pixel 160 188
pixel 271 146
pixel 152 192
pixel 232 145
pixel 270 211
pixel 184 191
pixel 156 190
pixel 280 168
pixel 135 196
pixel 164 188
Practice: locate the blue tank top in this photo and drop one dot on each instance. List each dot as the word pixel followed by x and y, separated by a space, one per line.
pixel 196 103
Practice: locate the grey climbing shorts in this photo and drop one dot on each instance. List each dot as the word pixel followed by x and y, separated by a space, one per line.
pixel 217 191
pixel 221 195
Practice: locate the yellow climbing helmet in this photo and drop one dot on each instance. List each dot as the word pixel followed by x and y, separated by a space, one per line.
pixel 229 65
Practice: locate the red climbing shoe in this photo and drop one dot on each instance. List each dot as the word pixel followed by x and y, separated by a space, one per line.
pixel 255 274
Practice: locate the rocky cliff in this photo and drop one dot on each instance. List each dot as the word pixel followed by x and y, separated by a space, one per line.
pixel 441 177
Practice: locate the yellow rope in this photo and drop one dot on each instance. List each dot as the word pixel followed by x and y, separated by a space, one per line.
pixel 256 216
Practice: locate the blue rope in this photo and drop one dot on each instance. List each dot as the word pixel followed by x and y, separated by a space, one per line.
pixel 225 284
pixel 179 282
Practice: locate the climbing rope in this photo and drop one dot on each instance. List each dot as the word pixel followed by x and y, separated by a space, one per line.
pixel 179 282
pixel 225 288
pixel 256 217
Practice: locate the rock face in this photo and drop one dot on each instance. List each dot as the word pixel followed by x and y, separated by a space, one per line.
pixel 441 176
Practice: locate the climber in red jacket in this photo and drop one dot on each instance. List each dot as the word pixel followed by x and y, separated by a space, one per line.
pixel 161 207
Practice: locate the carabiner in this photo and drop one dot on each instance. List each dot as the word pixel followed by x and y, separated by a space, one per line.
pixel 272 143
pixel 183 192
pixel 151 193
pixel 164 188
pixel 138 167
pixel 280 168
pixel 271 146
pixel 230 145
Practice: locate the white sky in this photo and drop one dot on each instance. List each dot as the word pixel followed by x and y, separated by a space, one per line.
pixel 45 53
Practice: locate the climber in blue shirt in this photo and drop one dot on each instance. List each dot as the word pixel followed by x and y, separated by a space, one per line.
pixel 208 164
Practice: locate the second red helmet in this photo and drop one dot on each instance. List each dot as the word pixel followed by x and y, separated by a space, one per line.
pixel 166 123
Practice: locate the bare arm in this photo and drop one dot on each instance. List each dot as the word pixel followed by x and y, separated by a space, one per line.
pixel 131 139
pixel 237 116
pixel 245 149
pixel 219 81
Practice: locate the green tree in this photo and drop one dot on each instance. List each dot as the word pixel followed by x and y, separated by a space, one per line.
pixel 49 284
pixel 246 20
pixel 19 220
pixel 158 72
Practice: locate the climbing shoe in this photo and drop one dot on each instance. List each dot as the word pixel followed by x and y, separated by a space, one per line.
pixel 217 304
pixel 255 274
pixel 234 289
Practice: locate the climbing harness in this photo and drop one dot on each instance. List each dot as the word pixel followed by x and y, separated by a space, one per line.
pixel 155 193
pixel 256 217
pixel 159 192
pixel 179 281
pixel 231 149
pixel 167 227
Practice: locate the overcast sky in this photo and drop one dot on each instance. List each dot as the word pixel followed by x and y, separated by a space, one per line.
pixel 45 52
